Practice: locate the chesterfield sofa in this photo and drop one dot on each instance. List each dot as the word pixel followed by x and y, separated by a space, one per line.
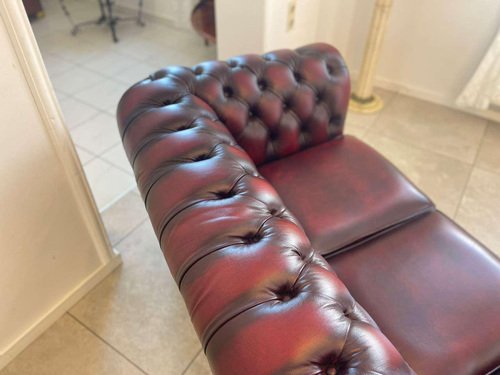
pixel 300 250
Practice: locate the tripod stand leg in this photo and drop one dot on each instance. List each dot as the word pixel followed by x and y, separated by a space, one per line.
pixel 111 20
pixel 140 22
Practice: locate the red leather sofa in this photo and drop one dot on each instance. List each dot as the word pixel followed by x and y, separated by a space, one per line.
pixel 300 250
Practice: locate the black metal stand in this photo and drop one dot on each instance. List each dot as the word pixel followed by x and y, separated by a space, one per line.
pixel 107 17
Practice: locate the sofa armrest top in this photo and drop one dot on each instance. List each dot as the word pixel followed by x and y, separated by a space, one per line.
pixel 261 299
pixel 274 105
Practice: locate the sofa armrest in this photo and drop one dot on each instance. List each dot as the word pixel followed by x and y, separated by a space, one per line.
pixel 261 299
pixel 276 104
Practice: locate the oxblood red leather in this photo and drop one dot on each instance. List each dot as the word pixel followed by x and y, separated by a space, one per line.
pixel 435 293
pixel 273 105
pixel 261 299
pixel 343 192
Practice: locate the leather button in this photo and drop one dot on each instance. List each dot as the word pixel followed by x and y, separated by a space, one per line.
pixel 184 127
pixel 198 70
pixel 228 92
pixel 225 194
pixel 286 293
pixel 262 85
pixel 202 157
pixel 252 238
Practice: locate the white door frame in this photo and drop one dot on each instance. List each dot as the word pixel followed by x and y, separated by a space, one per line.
pixel 21 35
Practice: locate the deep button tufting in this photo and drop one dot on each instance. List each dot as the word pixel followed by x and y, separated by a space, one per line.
pixel 228 92
pixel 185 127
pixel 202 157
pixel 273 211
pixel 286 292
pixel 330 70
pixel 297 76
pixel 225 194
pixel 301 255
pixel 253 112
pixel 273 135
pixel 331 371
pixel 229 287
pixel 319 98
pixel 262 84
pixel 286 104
pixel 330 366
pixel 167 102
pixel 252 238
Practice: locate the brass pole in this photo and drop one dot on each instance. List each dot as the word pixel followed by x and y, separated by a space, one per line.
pixel 363 99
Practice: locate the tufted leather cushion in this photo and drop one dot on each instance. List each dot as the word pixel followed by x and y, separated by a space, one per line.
pixel 273 105
pixel 261 299
pixel 434 291
pixel 343 192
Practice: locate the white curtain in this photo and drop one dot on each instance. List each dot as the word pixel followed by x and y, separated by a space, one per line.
pixel 483 89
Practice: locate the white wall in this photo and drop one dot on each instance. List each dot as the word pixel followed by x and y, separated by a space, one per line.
pixel 303 31
pixel 53 248
pixel 432 47
pixel 240 27
pixel 335 22
pixel 261 25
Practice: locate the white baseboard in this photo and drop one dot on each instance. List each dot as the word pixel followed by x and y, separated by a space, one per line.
pixel 430 96
pixel 58 310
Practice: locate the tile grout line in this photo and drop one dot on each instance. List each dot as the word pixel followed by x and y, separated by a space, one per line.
pixel 107 343
pixel 402 141
pixel 191 362
pixel 466 185
pixel 420 148
pixel 379 115
pixel 83 122
pixel 129 232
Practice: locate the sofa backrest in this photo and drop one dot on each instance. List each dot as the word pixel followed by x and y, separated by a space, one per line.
pixel 273 105
pixel 260 298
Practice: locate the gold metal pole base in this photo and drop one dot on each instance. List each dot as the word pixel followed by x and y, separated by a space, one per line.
pixel 372 104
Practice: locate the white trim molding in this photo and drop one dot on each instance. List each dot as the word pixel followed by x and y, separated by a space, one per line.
pixel 22 39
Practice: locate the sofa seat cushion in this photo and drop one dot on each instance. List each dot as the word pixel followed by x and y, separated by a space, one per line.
pixel 343 191
pixel 433 291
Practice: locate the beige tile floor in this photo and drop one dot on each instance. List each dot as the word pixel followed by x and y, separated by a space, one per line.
pixel 134 322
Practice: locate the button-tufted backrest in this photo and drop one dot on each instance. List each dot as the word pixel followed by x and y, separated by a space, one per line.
pixel 275 104
pixel 260 298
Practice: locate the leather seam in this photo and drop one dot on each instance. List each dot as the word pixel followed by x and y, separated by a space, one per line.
pixel 379 232
pixel 155 135
pixel 178 162
pixel 207 342
pixel 196 260
pixel 193 204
